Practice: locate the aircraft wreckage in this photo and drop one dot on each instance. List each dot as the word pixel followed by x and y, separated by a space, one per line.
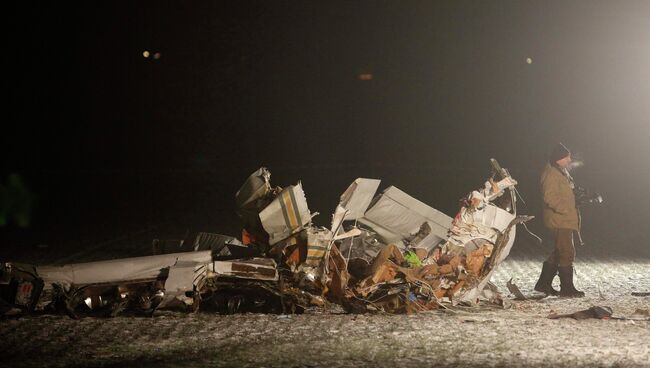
pixel 388 252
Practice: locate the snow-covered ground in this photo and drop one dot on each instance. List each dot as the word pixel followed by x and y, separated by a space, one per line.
pixel 521 335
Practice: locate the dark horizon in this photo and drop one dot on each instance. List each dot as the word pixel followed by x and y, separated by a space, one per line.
pixel 104 136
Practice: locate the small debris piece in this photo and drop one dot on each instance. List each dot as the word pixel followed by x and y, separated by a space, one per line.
pixel 645 293
pixel 597 312
pixel 514 289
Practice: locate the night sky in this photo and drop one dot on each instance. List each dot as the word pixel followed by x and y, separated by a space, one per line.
pixel 106 137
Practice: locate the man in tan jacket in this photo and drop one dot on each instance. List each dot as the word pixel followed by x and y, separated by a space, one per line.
pixel 561 218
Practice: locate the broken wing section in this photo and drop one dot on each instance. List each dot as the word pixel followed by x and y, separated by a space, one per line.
pixel 118 270
pixel 395 216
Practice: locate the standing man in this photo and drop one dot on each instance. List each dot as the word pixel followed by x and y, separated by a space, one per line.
pixel 561 218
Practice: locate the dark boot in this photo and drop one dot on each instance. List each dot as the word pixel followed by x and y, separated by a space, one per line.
pixel 545 282
pixel 566 283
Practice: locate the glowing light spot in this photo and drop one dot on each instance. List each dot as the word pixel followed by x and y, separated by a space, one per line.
pixel 145 53
pixel 529 60
pixel 365 76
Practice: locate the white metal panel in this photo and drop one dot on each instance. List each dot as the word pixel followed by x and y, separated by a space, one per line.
pixel 119 270
pixel 402 215
pixel 286 215
pixel 358 196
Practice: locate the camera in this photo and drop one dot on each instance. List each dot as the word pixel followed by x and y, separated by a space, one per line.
pixel 585 196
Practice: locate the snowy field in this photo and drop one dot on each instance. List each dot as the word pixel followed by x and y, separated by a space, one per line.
pixel 521 335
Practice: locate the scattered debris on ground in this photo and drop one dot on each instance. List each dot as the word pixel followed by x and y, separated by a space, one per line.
pixel 382 253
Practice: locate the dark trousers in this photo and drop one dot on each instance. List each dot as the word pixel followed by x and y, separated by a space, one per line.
pixel 564 252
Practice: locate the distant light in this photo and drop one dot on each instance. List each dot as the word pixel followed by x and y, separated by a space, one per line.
pixel 145 54
pixel 156 56
pixel 529 60
pixel 365 76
